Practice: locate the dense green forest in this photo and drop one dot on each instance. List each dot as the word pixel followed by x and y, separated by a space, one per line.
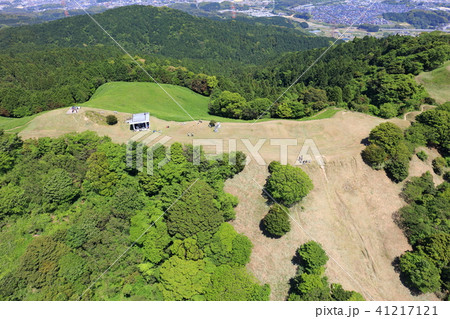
pixel 421 19
pixel 172 33
pixel 368 75
pixel 76 56
pixel 70 206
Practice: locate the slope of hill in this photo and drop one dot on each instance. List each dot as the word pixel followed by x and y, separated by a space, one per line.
pixel 437 83
pixel 76 56
pixel 9 123
pixel 149 97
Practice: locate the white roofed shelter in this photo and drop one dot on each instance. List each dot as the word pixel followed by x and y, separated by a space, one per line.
pixel 140 122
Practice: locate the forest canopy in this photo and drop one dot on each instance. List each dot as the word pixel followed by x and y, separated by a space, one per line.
pixel 70 206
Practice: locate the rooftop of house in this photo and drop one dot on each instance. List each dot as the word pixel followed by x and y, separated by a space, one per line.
pixel 140 118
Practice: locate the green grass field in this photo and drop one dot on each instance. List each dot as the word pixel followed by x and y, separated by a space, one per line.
pixel 136 97
pixel 15 125
pixel 437 83
pixel 326 114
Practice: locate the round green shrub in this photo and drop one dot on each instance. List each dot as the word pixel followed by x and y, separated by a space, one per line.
pixel 288 184
pixel 111 120
pixel 277 222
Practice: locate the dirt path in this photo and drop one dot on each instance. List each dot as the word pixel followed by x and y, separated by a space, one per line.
pixel 410 116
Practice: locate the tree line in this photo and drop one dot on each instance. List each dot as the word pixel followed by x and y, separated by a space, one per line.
pixel 421 19
pixel 390 148
pixel 426 267
pixel 374 76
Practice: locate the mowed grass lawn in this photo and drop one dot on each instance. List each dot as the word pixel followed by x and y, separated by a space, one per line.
pixel 325 114
pixel 137 97
pixel 437 82
pixel 15 125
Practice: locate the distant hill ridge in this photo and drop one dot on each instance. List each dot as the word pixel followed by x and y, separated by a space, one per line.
pixel 167 32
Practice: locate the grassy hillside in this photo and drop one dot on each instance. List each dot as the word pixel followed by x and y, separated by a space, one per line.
pixel 13 125
pixel 437 83
pixel 325 114
pixel 135 97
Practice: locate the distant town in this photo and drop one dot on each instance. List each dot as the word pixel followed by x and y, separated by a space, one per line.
pixel 323 17
pixel 345 12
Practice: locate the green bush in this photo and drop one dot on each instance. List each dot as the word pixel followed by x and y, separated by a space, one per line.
pixel 389 148
pixel 386 135
pixel 422 156
pixel 288 184
pixel 374 156
pixel 277 222
pixel 397 170
pixel 418 187
pixel 420 272
pixel 439 164
pixel 111 120
pixel 313 257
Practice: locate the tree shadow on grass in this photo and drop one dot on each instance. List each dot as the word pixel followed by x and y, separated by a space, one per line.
pixel 365 141
pixel 404 279
pixel 296 259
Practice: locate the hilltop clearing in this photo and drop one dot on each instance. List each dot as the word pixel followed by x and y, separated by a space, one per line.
pixel 135 97
pixel 349 211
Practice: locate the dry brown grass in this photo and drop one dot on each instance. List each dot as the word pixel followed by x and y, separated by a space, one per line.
pixel 349 211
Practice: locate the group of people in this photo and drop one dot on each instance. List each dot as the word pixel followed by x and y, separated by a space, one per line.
pixel 75 109
pixel 302 161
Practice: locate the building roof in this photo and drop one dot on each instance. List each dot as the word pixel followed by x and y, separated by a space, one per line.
pixel 139 118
